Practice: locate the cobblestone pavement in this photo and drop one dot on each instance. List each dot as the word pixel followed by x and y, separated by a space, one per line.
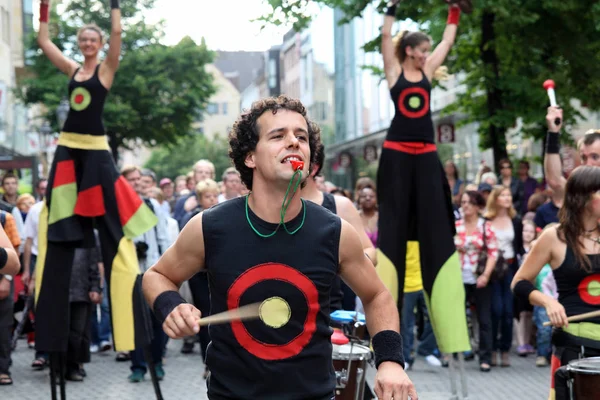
pixel 107 379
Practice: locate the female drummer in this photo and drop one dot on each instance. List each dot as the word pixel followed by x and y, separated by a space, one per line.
pixel 85 189
pixel 414 196
pixel 572 249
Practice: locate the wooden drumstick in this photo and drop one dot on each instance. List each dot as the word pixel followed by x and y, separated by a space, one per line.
pixel 267 310
pixel 580 317
pixel 251 311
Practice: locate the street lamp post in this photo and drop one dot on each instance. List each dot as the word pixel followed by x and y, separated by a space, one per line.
pixel 62 111
pixel 45 132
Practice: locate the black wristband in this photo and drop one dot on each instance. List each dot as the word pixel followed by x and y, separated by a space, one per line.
pixel 114 4
pixel 165 303
pixel 552 143
pixel 391 11
pixel 3 258
pixel 523 289
pixel 387 346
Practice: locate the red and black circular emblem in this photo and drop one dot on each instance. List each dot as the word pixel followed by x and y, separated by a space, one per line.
pixel 589 289
pixel 414 102
pixel 285 275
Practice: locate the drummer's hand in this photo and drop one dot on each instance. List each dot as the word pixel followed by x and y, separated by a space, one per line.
pixel 551 116
pixel 557 314
pixel 391 382
pixel 182 321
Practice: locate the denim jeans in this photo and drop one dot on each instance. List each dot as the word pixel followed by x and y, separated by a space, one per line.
pixel 502 312
pixel 100 329
pixel 482 299
pixel 6 325
pixel 138 363
pixel 428 344
pixel 544 333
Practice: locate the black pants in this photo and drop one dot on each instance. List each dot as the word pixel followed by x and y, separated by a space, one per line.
pixel 6 325
pixel 79 335
pixel 201 295
pixel 482 298
pixel 415 204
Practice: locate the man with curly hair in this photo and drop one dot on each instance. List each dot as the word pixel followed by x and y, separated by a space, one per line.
pixel 284 256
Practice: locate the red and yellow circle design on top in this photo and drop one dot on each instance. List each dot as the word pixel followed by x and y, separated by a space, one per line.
pixel 589 289
pixel 414 102
pixel 80 99
pixel 274 272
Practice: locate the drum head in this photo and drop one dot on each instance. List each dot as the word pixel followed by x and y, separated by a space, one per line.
pixel 348 351
pixel 589 366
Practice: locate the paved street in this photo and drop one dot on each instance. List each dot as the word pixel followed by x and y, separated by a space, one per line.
pixel 107 380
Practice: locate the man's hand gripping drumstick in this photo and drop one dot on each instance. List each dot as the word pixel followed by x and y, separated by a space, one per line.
pixel 185 319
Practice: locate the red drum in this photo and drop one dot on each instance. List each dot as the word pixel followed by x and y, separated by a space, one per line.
pixel 584 378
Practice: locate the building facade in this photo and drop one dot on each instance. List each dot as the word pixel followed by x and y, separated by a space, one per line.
pixel 222 109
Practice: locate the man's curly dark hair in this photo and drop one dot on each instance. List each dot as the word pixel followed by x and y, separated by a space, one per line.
pixel 244 135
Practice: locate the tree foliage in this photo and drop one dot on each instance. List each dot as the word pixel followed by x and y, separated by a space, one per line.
pixel 158 90
pixel 506 49
pixel 179 159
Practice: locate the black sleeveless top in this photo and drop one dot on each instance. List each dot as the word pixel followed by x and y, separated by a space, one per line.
pixel 578 290
pixel 336 289
pixel 86 100
pixel 329 202
pixel 412 121
pixel 286 359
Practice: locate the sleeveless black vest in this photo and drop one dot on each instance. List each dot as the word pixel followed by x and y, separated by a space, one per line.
pixel 264 358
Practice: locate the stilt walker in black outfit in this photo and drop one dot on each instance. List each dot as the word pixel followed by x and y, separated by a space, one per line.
pixel 414 195
pixel 85 190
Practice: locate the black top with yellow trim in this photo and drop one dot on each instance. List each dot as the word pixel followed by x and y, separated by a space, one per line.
pixel 578 289
pixel 86 100
pixel 412 121
pixel 286 358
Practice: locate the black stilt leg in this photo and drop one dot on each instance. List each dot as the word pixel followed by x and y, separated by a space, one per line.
pixel 63 391
pixel 152 369
pixel 52 361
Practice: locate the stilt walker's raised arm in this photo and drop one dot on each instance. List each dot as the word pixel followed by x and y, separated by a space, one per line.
pixel 391 65
pixel 56 57
pixel 114 48
pixel 443 48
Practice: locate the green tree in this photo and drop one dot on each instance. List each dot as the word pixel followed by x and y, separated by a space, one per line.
pixel 179 159
pixel 158 90
pixel 506 48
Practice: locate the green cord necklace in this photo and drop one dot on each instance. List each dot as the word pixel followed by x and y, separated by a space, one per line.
pixel 284 208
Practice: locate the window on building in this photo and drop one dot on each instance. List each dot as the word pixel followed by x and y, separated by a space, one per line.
pixel 5 25
pixel 272 74
pixel 212 108
pixel 200 131
pixel 224 108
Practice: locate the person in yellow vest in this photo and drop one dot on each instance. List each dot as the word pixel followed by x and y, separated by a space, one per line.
pixel 414 299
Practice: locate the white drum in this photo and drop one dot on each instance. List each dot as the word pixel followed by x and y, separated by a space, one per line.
pixel 350 364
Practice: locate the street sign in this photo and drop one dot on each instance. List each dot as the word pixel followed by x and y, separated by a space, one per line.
pixel 370 153
pixel 446 133
pixel 345 159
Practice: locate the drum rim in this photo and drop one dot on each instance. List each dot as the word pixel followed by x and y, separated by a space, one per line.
pixel 573 366
pixel 347 356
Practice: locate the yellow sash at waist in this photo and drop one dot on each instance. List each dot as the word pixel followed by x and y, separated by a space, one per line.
pixel 83 141
pixel 585 330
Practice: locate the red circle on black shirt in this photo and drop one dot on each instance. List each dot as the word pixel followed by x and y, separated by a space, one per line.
pixel 424 107
pixel 584 291
pixel 281 272
pixel 79 99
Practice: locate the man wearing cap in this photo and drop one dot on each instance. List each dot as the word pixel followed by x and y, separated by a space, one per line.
pixel 168 188
pixel 485 189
